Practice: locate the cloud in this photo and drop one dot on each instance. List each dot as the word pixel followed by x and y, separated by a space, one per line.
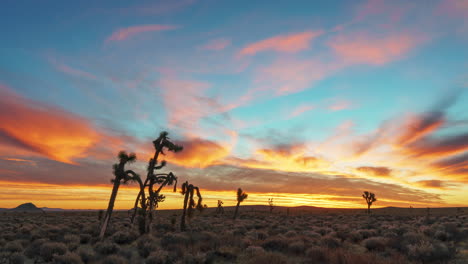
pixel 124 33
pixel 200 153
pixel 286 76
pixel 288 43
pixel 363 48
pixel 375 171
pixel 437 184
pixel 294 158
pixel 72 71
pixel 339 105
pixel 301 109
pixel 437 147
pixel 216 44
pixel 455 165
pixel 41 129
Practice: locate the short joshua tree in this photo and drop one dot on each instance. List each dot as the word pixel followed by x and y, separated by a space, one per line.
pixel 188 190
pixel 271 205
pixel 370 198
pixel 241 196
pixel 220 209
pixel 121 176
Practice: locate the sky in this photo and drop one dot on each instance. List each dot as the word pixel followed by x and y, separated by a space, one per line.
pixel 306 102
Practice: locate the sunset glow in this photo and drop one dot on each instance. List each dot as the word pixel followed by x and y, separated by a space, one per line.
pixel 307 102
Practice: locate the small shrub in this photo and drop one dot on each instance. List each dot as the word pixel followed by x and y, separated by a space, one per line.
pixel 114 259
pixel 17 258
pixel 49 249
pixel 86 253
pixel 316 255
pixel 158 257
pixel 375 243
pixel 106 248
pixel 14 246
pixel 68 258
pixel 268 258
pixel 123 237
pixel 275 244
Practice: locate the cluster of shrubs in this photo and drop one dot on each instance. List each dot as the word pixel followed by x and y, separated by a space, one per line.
pixel 74 238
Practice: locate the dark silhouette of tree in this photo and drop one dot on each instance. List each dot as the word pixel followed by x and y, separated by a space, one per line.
pixel 370 198
pixel 241 196
pixel 121 176
pixel 150 202
pixel 188 191
pixel 220 209
pixel 271 205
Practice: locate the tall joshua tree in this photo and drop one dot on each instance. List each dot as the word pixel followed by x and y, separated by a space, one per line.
pixel 241 196
pixel 121 176
pixel 370 198
pixel 188 191
pixel 160 144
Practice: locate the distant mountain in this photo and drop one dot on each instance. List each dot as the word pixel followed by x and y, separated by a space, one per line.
pixel 26 207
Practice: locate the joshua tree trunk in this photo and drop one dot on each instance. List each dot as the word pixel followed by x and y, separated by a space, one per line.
pixel 110 207
pixel 237 209
pixel 182 221
pixel 368 209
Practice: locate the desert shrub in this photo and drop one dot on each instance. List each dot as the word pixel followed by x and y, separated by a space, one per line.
pixel 123 237
pixel 441 235
pixel 268 258
pixel 169 240
pixel 17 258
pixel 86 253
pixel 85 238
pixel 68 258
pixel 375 243
pixel 145 245
pixel 297 247
pixel 330 242
pixel 275 244
pixel 254 250
pixel 355 236
pixel 315 254
pixel 222 255
pixel 33 249
pixel 114 259
pixel 429 251
pixel 14 246
pixel 158 257
pixel 49 249
pixel 106 247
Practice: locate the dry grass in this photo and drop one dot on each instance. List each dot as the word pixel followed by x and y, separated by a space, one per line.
pixel 255 237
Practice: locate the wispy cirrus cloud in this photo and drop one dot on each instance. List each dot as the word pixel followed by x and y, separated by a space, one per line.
pixel 371 49
pixel 71 70
pixel 216 44
pixel 125 33
pixel 301 109
pixel 288 43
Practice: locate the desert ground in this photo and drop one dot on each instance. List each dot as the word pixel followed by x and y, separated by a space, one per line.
pixel 297 235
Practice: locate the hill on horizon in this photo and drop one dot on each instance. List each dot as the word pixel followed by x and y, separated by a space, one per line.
pixel 26 207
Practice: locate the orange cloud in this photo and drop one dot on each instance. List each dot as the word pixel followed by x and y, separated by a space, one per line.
pixel 41 129
pixel 199 153
pixel 124 33
pixel 375 171
pixel 216 44
pixel 375 50
pixel 284 158
pixel 290 43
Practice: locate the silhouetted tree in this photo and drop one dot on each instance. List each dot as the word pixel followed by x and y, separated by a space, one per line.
pixel 121 176
pixel 241 196
pixel 155 197
pixel 271 205
pixel 149 203
pixel 370 198
pixel 220 209
pixel 188 191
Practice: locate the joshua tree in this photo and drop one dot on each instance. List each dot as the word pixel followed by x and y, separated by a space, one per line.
pixel 241 196
pixel 121 176
pixel 161 143
pixel 188 191
pixel 270 203
pixel 370 198
pixel 220 209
